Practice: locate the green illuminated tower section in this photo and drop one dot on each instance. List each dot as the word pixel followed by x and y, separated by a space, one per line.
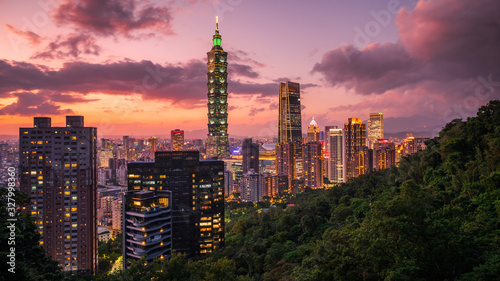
pixel 217 142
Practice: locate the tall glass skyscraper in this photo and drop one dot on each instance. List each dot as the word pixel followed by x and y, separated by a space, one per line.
pixel 355 139
pixel 375 128
pixel 217 142
pixel 290 120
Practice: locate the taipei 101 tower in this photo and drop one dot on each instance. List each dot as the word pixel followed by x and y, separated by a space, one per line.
pixel 217 145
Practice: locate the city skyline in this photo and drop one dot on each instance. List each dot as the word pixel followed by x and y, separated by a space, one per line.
pixel 137 69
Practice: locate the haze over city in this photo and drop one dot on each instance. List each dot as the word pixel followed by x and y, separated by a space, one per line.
pixel 139 68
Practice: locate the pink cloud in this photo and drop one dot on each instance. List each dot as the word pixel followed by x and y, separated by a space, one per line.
pixel 29 35
pixel 444 47
pixel 111 17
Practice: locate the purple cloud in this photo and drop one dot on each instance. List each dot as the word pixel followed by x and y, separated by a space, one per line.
pixel 71 46
pixel 111 17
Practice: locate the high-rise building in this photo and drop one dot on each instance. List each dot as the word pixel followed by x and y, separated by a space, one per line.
pixel 197 197
pixel 251 187
pixel 313 164
pixel 412 145
pixel 312 132
pixel 217 146
pixel 147 225
pixel 116 214
pixel 290 118
pixel 177 140
pixel 336 154
pixel 125 141
pixel 365 160
pixel 355 138
pixel 375 128
pixel 104 156
pixel 250 152
pixel 285 161
pixel 153 143
pixel 58 171
pixel 326 150
pixel 274 186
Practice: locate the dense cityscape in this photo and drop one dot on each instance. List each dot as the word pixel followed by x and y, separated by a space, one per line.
pixel 325 201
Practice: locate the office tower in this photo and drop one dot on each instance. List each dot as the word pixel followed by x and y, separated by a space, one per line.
pixel 355 138
pixel 197 197
pixel 125 141
pixel 375 128
pixel 116 215
pixel 412 145
pixel 217 146
pixel 251 187
pixel 131 154
pixel 365 160
pixel 313 164
pixel 274 186
pixel 228 183
pixel 336 154
pixel 285 161
pixel 104 156
pixel 58 172
pixel 289 119
pixel 326 150
pixel 384 157
pixel 250 152
pixel 121 152
pixel 312 132
pixel 177 140
pixel 147 225
pixel 153 143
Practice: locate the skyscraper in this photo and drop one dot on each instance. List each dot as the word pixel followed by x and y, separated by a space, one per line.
pixel 177 140
pixel 313 132
pixel 197 197
pixel 58 172
pixel 326 150
pixel 217 142
pixel 251 187
pixel 289 147
pixel 375 128
pixel 250 152
pixel 336 154
pixel 313 164
pixel 355 138
pixel 285 161
pixel 289 119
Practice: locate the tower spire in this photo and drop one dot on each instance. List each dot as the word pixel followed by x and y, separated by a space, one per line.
pixel 216 22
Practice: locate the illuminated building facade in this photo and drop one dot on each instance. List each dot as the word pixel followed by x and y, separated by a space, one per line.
pixel 375 128
pixel 274 186
pixel 177 140
pixel 147 225
pixel 250 152
pixel 285 161
pixel 336 154
pixel 58 171
pixel 290 118
pixel 217 146
pixel 412 145
pixel 251 187
pixel 197 197
pixel 313 132
pixel 313 164
pixel 355 138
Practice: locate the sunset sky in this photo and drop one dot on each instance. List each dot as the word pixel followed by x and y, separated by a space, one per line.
pixel 138 68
